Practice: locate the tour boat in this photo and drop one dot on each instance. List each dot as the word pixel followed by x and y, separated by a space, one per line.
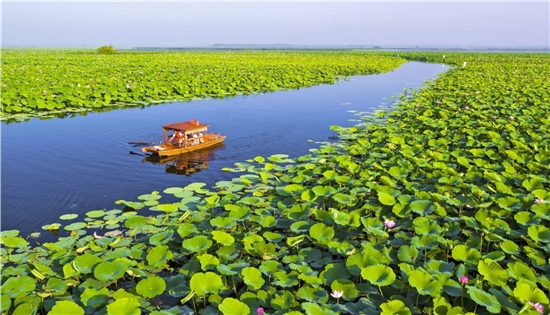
pixel 186 137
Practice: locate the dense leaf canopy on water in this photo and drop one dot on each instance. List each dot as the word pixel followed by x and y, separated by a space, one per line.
pixel 49 82
pixel 440 206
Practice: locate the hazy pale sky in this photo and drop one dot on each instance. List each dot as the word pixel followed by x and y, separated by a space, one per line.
pixel 127 24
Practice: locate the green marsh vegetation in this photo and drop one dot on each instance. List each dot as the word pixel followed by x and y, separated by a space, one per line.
pixel 440 206
pixel 46 83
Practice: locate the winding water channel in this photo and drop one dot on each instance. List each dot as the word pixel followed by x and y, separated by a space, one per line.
pixel 74 165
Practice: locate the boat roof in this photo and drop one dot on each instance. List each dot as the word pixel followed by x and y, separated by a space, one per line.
pixel 185 126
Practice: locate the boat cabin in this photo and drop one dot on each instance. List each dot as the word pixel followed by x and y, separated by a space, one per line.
pixel 190 129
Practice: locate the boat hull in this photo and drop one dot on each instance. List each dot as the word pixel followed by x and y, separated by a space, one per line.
pixel 168 149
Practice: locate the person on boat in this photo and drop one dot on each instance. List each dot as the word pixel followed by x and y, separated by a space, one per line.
pixel 201 137
pixel 195 140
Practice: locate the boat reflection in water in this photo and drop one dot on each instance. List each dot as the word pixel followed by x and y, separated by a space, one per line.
pixel 185 164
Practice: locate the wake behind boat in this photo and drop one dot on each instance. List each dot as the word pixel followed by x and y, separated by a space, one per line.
pixel 186 137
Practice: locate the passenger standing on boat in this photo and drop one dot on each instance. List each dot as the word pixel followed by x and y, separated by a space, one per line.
pixel 195 140
pixel 201 137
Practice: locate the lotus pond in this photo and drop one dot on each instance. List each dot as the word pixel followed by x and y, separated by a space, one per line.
pixel 438 207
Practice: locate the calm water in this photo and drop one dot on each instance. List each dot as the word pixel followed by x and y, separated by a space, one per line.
pixel 74 165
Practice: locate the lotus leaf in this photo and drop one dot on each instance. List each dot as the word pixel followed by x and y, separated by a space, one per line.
pixel 206 283
pixel 197 243
pixel 321 232
pixel 66 307
pixel 425 283
pixel 124 306
pixel 151 287
pixel 230 306
pixel 395 307
pixel 111 270
pixel 484 299
pixel 253 277
pixel 379 275
pixel 527 292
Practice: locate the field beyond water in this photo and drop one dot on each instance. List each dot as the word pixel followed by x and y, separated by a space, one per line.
pixel 52 83
pixel 438 206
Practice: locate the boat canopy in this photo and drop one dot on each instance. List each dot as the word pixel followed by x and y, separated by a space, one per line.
pixel 191 126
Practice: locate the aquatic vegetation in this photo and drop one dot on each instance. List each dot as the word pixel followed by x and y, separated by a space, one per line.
pixel 426 209
pixel 46 83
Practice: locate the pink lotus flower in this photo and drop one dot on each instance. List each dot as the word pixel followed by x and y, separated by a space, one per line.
pixel 467 107
pixel 260 311
pixel 389 223
pixel 538 306
pixel 464 279
pixel 337 294
pixel 540 201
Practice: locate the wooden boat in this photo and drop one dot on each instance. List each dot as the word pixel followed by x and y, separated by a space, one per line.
pixel 195 137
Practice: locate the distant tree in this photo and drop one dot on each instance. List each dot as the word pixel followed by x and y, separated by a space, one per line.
pixel 106 50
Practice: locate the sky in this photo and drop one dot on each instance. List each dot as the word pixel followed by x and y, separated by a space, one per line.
pixel 185 24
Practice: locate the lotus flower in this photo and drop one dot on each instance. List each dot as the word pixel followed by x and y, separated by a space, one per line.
pixel 538 306
pixel 464 279
pixel 337 294
pixel 467 107
pixel 389 223
pixel 260 311
pixel 540 201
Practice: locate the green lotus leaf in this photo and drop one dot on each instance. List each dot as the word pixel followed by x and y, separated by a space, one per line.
pixel 66 307
pixel 484 299
pixel 13 242
pixel 69 216
pixel 312 294
pixel 95 214
pixel 469 255
pixel 5 303
pixel 510 247
pixel 111 270
pixel 159 255
pixel 253 277
pixel 347 287
pixel 528 292
pixel 407 254
pixel 25 309
pixel 315 309
pixel 492 272
pixel 308 195
pixel 161 238
pixel 345 199
pixel 167 208
pixel 223 238
pixel 197 243
pixel 93 297
pixel 194 186
pixel 18 287
pixel 379 275
pixel 151 287
pixel 224 222
pixel 231 269
pixel 520 271
pixel 282 301
pixel 395 307
pixel 75 226
pixel 208 261
pixel 425 283
pixel 124 306
pixel 539 233
pixel 422 207
pixel 231 306
pixel 386 199
pixel 85 263
pixel 148 197
pixel 321 232
pixel 206 283
pixel 173 190
pixel 323 190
